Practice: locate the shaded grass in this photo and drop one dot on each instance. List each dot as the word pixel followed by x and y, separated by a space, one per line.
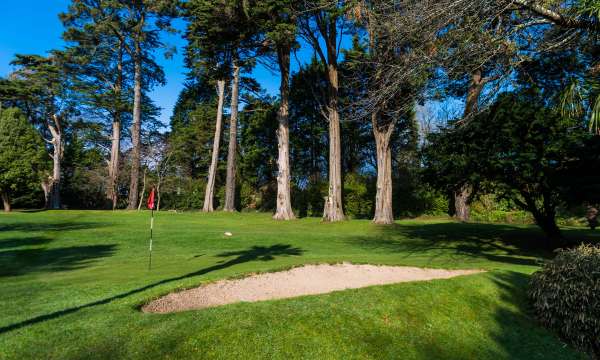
pixel 71 282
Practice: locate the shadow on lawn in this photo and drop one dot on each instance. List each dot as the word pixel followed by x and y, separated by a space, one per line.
pixel 494 242
pixel 59 226
pixel 30 241
pixel 255 253
pixel 518 334
pixel 15 262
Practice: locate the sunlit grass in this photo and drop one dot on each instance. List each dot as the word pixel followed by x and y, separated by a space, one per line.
pixel 71 283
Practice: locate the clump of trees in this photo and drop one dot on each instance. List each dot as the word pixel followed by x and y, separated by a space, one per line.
pixel 347 134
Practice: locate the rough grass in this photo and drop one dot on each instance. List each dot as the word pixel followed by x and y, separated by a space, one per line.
pixel 71 283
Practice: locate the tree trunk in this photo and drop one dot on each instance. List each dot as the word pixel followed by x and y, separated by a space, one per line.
pixel 461 203
pixel 158 194
pixel 284 199
pixel 232 152
pixel 139 207
pixel 384 213
pixel 461 198
pixel 209 194
pixel 592 217
pixel 113 166
pixel 136 128
pixel 333 203
pixel 5 202
pixel 46 185
pixel 547 222
pixel 57 155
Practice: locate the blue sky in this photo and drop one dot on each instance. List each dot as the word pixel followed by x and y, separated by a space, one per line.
pixel 39 31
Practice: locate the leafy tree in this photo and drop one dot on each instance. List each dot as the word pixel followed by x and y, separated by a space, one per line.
pixel 223 44
pixel 258 164
pixel 41 89
pixel 21 155
pixel 97 60
pixel 517 148
pixel 321 23
pixel 279 19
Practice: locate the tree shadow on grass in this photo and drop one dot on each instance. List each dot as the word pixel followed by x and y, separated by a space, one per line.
pixel 497 243
pixel 21 242
pixel 518 333
pixel 58 226
pixel 16 262
pixel 255 253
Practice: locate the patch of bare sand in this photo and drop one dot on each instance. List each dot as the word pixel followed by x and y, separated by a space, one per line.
pixel 305 280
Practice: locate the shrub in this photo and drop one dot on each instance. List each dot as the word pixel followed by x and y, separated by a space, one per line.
pixel 566 297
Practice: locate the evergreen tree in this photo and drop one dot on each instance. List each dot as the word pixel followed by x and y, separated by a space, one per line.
pixel 21 155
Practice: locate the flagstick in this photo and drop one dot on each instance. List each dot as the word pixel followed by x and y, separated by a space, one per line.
pixel 151 226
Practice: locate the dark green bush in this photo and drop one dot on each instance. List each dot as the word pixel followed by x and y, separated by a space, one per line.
pixel 566 297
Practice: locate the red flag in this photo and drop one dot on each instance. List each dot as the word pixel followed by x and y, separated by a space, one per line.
pixel 151 200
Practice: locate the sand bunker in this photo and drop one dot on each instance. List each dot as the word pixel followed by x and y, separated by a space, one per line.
pixel 306 280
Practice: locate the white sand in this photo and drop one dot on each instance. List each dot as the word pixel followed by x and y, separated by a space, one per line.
pixel 306 280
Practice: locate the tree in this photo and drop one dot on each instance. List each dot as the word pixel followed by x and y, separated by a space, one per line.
pixel 21 155
pixel 280 29
pixel 531 146
pixel 97 60
pixel 223 44
pixel 41 87
pixel 323 20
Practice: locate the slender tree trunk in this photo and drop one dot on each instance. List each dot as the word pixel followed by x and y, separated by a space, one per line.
pixel 5 202
pixel 384 213
pixel 46 185
pixel 57 155
pixel 462 196
pixel 284 199
pixel 136 128
pixel 333 203
pixel 158 194
pixel 139 207
pixel 209 194
pixel 232 152
pixel 113 166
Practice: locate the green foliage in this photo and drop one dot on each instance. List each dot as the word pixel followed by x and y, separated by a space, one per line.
pixel 491 208
pixel 359 194
pixel 519 149
pixel 566 297
pixel 22 154
pixel 182 193
pixel 84 175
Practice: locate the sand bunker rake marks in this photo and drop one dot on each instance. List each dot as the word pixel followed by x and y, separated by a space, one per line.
pixel 305 280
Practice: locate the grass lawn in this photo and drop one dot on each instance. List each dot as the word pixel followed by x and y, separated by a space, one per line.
pixel 71 283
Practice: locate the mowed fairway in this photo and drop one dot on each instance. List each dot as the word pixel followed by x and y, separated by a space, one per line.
pixel 72 282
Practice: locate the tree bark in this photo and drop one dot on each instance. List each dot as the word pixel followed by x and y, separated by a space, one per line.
pixel 136 128
pixel 46 185
pixel 232 151
pixel 6 202
pixel 462 209
pixel 209 194
pixel 384 213
pixel 284 199
pixel 592 217
pixel 545 218
pixel 113 166
pixel 57 155
pixel 139 206
pixel 333 203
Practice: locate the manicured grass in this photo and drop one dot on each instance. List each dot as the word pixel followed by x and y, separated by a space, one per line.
pixel 71 283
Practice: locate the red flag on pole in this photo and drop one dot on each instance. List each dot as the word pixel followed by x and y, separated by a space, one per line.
pixel 151 200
